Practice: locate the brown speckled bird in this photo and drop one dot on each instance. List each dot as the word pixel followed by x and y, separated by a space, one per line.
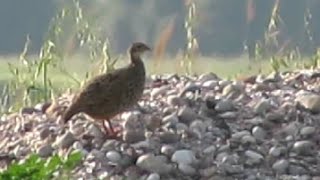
pixel 107 95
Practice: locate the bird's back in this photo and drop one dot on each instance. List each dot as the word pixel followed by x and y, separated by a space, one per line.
pixel 107 95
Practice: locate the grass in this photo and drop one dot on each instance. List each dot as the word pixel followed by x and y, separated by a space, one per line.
pixel 223 67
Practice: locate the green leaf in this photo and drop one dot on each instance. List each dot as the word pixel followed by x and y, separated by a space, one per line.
pixel 73 159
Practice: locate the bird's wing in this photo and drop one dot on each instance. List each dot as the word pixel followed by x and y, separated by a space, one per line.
pixel 101 87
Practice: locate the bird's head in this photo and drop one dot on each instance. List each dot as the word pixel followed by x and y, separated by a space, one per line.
pixel 137 49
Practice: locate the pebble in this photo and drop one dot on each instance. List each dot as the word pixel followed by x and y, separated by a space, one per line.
pixel 45 150
pixel 65 141
pixel 113 156
pixel 280 166
pixel 183 156
pixel 224 106
pixel 186 115
pixel 303 147
pixel 258 133
pixel 310 102
pixel 133 136
pixel 253 157
pixel 154 176
pixel 154 164
pixel 307 131
pixel 186 169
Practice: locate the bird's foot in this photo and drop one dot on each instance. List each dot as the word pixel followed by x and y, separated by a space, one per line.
pixel 115 133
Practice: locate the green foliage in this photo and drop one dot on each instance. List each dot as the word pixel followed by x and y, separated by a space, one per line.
pixel 36 168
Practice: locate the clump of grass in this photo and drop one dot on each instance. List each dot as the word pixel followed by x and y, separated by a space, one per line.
pixel 192 43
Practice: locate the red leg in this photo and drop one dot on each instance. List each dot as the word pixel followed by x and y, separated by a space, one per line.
pixel 112 132
pixel 106 129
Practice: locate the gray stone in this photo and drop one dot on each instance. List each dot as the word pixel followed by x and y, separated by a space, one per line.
pixel 253 157
pixel 224 106
pixel 307 131
pixel 154 176
pixel 280 166
pixel 169 137
pixel 113 156
pixel 183 156
pixel 309 101
pixel 259 133
pixel 133 136
pixel 303 147
pixel 66 140
pixel 152 163
pixel 186 115
pixel 186 169
pixel 45 150
pixel 172 118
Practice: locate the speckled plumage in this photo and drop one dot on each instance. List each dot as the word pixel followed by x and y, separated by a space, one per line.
pixel 109 94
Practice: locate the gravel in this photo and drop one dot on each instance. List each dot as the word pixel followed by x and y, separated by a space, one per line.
pixel 197 127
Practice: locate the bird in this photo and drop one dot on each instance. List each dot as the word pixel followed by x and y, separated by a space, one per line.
pixel 108 95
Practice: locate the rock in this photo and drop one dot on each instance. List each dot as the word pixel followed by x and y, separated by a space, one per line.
pixel 44 133
pixel 45 150
pixel 186 115
pixel 133 136
pixel 280 166
pixel 154 176
pixel 248 139
pixel 211 84
pixel 155 164
pixel 277 151
pixel 208 77
pixel 66 140
pixel 172 119
pixel 183 156
pixel 259 133
pixel 297 170
pixel 167 150
pixel 95 131
pixel 113 156
pixel 232 90
pixel 186 169
pixel 209 150
pixel 152 122
pixel 307 131
pixel 159 91
pixel 169 137
pixel 253 157
pixel 224 106
pixel 262 107
pixel 132 121
pixel 303 147
pixel 310 102
pixel 198 125
pixel 175 100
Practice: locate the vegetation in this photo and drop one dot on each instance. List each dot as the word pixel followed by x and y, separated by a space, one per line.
pixel 34 168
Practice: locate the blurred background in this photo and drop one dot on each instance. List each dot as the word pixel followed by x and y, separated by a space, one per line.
pixel 223 27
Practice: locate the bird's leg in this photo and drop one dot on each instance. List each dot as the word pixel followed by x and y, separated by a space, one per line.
pixel 106 129
pixel 113 133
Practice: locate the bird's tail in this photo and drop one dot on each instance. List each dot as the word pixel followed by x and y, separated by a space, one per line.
pixel 70 111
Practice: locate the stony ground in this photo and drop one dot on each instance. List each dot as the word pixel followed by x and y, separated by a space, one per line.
pixel 259 127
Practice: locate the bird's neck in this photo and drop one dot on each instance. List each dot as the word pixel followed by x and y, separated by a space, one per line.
pixel 136 59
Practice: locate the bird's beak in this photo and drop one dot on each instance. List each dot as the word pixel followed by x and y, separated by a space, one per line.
pixel 148 48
